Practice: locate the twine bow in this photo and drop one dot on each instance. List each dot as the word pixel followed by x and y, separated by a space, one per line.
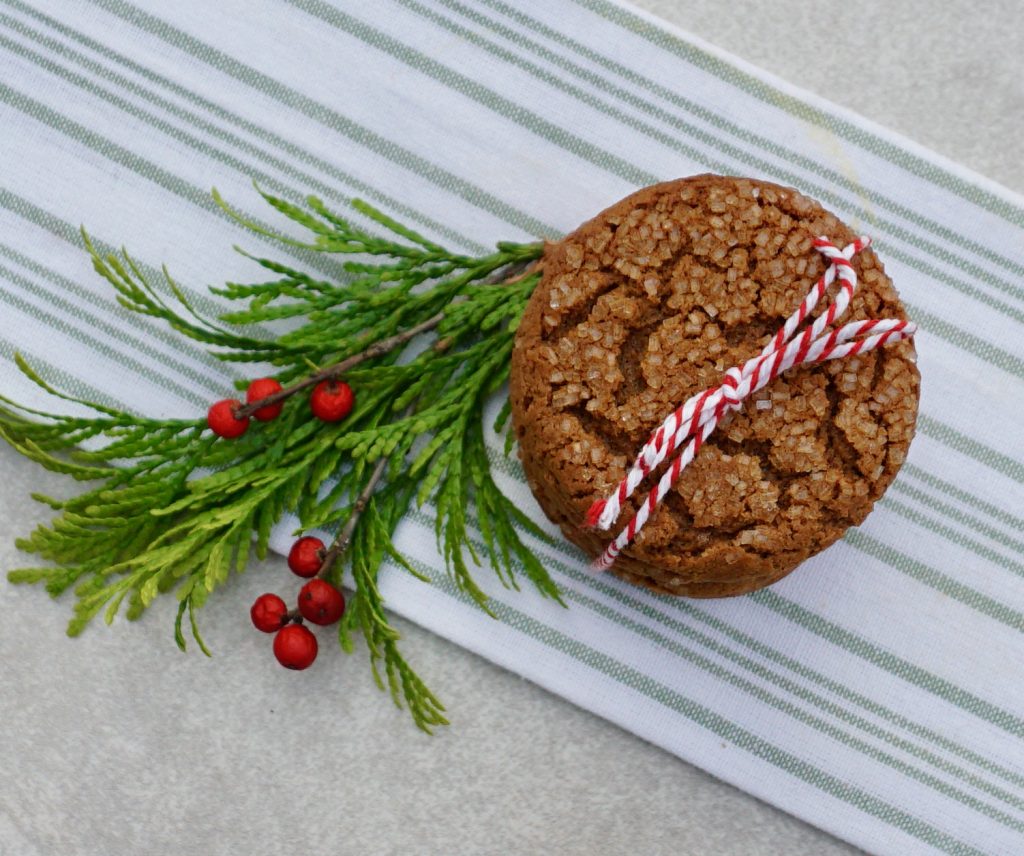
pixel 699 415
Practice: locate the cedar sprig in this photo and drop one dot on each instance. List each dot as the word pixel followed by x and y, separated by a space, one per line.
pixel 424 336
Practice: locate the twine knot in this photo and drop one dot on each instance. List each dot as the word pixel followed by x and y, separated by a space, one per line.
pixel 732 394
pixel 698 416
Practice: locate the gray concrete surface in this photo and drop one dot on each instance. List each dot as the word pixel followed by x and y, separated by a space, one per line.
pixel 948 75
pixel 116 744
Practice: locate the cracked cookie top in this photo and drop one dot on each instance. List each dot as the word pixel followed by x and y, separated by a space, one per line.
pixel 651 302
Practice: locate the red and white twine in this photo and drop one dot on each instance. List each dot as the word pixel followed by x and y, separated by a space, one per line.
pixel 697 417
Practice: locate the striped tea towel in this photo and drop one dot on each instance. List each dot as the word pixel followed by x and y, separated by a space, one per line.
pixel 876 692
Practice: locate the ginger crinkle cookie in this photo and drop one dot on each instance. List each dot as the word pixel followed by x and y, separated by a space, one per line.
pixel 650 303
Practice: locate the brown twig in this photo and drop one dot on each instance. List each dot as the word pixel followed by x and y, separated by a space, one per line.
pixel 344 537
pixel 377 349
pixel 337 369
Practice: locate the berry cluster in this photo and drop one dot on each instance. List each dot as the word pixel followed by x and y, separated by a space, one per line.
pixel 319 603
pixel 295 646
pixel 331 401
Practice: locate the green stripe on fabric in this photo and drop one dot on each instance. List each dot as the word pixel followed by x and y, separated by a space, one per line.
pixel 963 496
pixel 725 729
pixel 954 536
pixel 99 346
pixel 886 248
pixel 326 116
pixel 935 579
pixel 112 334
pixel 948 331
pixel 841 690
pixel 954 513
pixel 949 436
pixel 823 192
pixel 64 381
pixel 465 85
pixel 210 203
pixel 568 141
pixel 913 568
pixel 65 231
pixel 181 345
pixel 959 337
pixel 665 642
pixel 708 115
pixel 983 348
pixel 309 180
pixel 59 228
pixel 889 662
pixel 596 583
pixel 849 641
pixel 774 97
pixel 119 154
pixel 58 377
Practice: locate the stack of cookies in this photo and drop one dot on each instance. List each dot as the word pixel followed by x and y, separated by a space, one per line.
pixel 651 302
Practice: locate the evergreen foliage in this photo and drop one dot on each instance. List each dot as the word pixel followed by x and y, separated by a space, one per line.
pixel 173 509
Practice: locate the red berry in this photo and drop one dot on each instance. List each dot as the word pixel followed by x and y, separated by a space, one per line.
pixel 321 603
pixel 259 389
pixel 268 613
pixel 295 647
pixel 222 420
pixel 332 400
pixel 304 558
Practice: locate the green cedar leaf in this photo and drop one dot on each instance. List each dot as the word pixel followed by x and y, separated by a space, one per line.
pixel 182 507
pixel 179 637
